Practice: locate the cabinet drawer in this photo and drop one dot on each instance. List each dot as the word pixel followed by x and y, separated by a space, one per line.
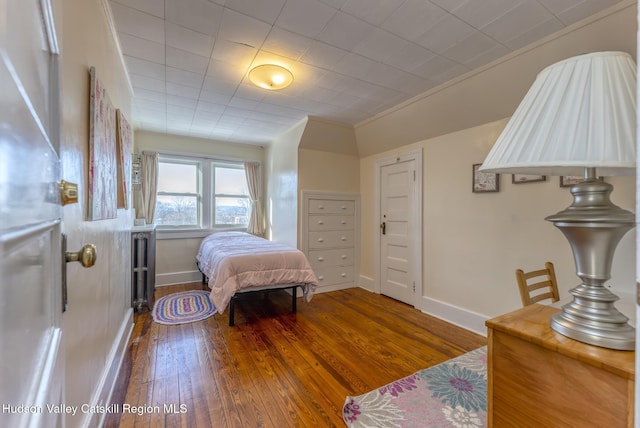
pixel 331 222
pixel 331 239
pixel 318 206
pixel 328 258
pixel 334 275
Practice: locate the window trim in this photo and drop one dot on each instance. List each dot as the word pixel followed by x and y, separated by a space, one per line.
pixel 223 164
pixel 199 192
pixel 206 224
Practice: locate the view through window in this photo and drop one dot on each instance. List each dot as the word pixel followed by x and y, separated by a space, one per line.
pixel 232 203
pixel 199 193
pixel 178 194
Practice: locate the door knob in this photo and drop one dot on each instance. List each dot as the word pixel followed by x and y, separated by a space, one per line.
pixel 86 256
pixel 383 227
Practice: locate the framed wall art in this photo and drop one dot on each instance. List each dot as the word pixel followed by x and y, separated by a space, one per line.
pixel 570 180
pixel 123 150
pixel 526 178
pixel 484 182
pixel 102 152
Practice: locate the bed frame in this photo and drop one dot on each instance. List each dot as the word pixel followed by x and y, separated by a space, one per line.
pixel 265 291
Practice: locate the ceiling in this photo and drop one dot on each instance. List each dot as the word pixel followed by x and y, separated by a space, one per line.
pixel 352 59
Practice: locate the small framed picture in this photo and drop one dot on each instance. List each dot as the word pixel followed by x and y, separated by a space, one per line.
pixel 570 180
pixel 484 182
pixel 525 178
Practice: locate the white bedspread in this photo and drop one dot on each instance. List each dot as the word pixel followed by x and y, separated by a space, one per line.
pixel 238 261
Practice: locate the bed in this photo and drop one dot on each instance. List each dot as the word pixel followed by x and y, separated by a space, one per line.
pixel 235 263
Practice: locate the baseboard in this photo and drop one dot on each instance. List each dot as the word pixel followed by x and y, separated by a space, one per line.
pixel 103 392
pixel 335 287
pixel 178 278
pixel 461 317
pixel 367 283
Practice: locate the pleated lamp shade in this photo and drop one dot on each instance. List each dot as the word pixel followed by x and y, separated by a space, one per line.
pixel 580 112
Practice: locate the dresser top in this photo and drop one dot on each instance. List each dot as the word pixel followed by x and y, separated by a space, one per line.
pixel 532 324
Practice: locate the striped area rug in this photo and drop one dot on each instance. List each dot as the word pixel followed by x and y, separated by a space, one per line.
pixel 183 307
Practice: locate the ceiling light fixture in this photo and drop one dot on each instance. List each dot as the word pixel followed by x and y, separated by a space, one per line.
pixel 270 76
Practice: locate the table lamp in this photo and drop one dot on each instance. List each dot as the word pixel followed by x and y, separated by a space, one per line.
pixel 579 118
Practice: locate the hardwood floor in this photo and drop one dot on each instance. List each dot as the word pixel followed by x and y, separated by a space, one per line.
pixel 275 368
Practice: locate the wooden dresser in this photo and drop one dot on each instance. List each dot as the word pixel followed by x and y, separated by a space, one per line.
pixel 540 378
pixel 329 238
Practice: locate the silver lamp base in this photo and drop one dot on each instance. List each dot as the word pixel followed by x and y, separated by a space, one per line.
pixel 594 226
pixel 598 324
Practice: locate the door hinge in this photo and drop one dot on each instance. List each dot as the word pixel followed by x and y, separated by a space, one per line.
pixel 414 286
pixel 414 175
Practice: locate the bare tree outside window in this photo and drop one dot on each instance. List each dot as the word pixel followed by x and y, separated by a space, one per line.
pixel 232 203
pixel 177 203
pixel 196 193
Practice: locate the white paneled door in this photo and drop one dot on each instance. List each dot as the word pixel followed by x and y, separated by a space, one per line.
pixel 398 229
pixel 31 367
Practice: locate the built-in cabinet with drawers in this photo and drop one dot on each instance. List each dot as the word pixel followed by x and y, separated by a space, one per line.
pixel 329 237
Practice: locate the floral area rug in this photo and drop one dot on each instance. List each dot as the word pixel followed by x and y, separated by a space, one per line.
pixel 183 307
pixel 451 394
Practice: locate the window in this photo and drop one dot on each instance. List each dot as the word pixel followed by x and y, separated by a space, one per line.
pixel 231 196
pixel 178 194
pixel 197 193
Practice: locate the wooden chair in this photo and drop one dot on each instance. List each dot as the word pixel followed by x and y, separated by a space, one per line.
pixel 538 285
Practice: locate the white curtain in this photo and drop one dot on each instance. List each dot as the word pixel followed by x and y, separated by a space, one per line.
pixel 149 185
pixel 254 181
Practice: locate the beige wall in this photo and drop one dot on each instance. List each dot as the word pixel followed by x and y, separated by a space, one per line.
pixel 177 144
pixel 329 136
pixel 472 243
pixel 175 258
pixel 99 314
pixel 328 159
pixel 494 92
pixel 328 172
pixel 289 169
pixel 282 186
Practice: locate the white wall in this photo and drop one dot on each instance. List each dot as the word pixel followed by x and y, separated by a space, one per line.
pixel 99 318
pixel 282 186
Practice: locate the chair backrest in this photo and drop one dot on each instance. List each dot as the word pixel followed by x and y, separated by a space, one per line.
pixel 538 285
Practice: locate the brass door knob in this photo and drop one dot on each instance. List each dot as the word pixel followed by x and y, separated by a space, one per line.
pixel 86 256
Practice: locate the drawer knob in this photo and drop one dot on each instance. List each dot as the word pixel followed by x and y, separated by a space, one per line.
pixel 344 207
pixel 320 207
pixel 343 274
pixel 344 238
pixel 344 256
pixel 320 278
pixel 320 239
pixel 320 259
pixel 343 222
pixel 320 222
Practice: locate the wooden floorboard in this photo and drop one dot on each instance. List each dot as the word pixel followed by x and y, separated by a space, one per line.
pixel 275 368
